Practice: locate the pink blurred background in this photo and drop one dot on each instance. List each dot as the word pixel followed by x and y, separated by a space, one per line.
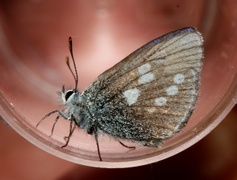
pixel 99 22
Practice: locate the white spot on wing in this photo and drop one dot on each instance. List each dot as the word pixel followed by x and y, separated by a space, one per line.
pixel 160 61
pixel 172 90
pixel 151 110
pixel 192 72
pixel 131 95
pixel 144 68
pixel 178 78
pixel 146 78
pixel 160 101
pixel 163 53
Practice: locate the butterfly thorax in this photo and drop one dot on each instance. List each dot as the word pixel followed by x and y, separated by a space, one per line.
pixel 75 109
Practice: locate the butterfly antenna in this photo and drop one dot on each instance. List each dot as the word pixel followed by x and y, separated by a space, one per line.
pixel 74 74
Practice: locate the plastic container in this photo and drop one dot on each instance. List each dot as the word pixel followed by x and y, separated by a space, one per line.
pixel 33 47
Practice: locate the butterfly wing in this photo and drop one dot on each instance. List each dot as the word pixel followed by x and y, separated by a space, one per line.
pixel 149 96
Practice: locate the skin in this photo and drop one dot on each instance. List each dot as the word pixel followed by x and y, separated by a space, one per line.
pixel 213 157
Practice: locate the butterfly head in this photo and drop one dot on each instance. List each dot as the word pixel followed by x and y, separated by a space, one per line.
pixel 70 96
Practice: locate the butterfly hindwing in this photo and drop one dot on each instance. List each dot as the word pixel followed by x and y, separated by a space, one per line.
pixel 149 95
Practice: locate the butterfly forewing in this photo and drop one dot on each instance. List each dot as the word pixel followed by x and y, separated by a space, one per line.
pixel 149 95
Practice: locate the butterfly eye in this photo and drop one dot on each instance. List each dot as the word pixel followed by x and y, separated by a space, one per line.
pixel 68 94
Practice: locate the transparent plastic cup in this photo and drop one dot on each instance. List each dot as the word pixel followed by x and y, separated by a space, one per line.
pixel 34 44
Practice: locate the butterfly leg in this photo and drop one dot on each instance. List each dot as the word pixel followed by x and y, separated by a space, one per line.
pixel 92 130
pixel 97 142
pixel 72 128
pixel 56 120
pixel 60 113
pixel 129 147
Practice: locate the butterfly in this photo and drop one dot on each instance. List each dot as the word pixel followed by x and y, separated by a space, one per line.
pixel 146 98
